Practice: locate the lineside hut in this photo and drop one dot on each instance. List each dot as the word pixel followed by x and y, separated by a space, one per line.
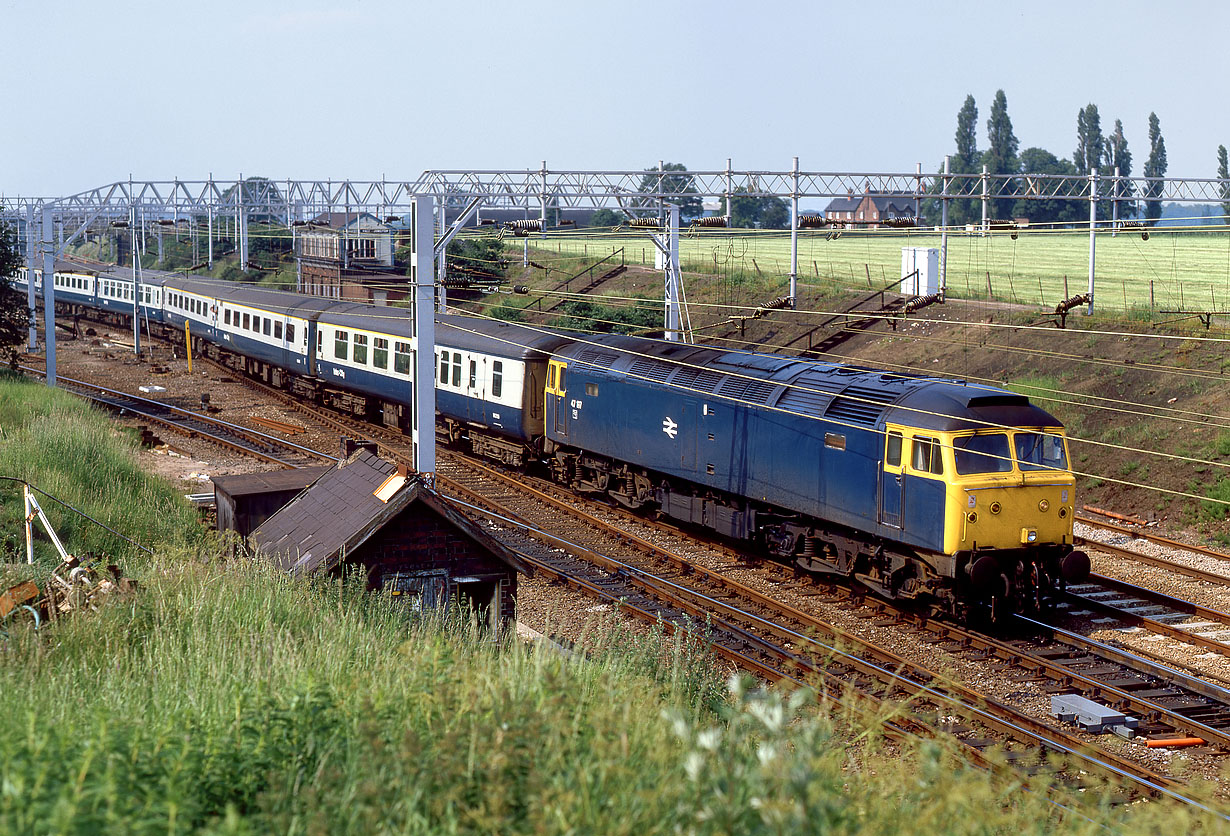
pixel 409 540
pixel 245 500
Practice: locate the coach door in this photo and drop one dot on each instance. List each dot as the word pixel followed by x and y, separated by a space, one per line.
pixel 891 487
pixel 557 397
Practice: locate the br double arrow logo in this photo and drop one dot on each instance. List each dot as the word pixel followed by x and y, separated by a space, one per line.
pixel 670 427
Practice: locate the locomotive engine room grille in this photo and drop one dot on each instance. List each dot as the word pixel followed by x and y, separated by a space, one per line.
pixel 866 410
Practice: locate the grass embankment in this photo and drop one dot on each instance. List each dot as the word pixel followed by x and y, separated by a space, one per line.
pixel 224 697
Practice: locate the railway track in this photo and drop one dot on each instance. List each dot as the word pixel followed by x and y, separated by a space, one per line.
pixel 777 641
pixel 225 434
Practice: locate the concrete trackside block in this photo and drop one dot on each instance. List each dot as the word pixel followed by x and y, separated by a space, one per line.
pixel 1091 716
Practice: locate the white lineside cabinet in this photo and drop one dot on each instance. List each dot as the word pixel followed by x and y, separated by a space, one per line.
pixel 926 260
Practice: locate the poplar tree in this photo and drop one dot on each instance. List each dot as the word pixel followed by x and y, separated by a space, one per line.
pixel 1001 156
pixel 967 160
pixel 1223 188
pixel 1119 157
pixel 1155 167
pixel 1088 154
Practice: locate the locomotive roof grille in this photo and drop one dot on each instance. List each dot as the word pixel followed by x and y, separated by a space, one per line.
pixel 750 391
pixel 701 380
pixel 860 405
pixel 600 359
pixel 650 369
pixel 804 401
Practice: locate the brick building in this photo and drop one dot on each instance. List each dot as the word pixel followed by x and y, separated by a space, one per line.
pixel 870 209
pixel 344 255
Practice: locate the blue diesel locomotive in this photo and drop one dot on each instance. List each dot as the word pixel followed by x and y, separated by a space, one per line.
pixel 917 487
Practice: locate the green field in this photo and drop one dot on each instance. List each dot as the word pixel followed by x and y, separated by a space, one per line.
pixel 1180 270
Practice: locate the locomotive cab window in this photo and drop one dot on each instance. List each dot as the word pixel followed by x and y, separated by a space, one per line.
pixel 591 390
pixel 926 458
pixel 550 377
pixel 982 454
pixel 892 450
pixel 1040 451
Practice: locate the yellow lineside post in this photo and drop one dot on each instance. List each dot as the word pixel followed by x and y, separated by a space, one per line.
pixel 188 344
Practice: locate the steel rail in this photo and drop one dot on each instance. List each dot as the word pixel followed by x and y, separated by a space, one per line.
pixel 1152 624
pixel 1156 562
pixel 1142 534
pixel 109 397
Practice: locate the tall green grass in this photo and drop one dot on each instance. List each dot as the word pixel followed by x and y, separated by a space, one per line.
pixel 73 452
pixel 228 698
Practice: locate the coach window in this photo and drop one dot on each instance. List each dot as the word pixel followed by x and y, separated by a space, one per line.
pixel 341 341
pixel 926 457
pixel 277 330
pixel 497 378
pixel 380 353
pixel 246 321
pixel 892 450
pixel 444 367
pixel 268 328
pixel 401 358
pixel 473 373
pixel 457 369
pixel 226 316
pixel 290 332
pixel 360 348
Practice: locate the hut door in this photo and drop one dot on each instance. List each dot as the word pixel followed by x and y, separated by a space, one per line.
pixel 418 591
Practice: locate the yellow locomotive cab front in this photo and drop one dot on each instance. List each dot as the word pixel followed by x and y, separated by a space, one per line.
pixel 1010 489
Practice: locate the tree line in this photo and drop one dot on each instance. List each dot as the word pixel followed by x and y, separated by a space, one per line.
pixel 1104 153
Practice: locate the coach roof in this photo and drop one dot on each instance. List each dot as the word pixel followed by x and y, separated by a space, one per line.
pixel 274 301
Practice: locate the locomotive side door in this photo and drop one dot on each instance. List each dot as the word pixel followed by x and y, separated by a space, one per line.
pixel 891 486
pixel 557 400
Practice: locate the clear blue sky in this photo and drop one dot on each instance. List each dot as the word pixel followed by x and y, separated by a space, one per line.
pixel 358 90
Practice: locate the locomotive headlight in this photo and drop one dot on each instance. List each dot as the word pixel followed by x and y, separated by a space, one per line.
pixel 1029 535
pixel 1043 505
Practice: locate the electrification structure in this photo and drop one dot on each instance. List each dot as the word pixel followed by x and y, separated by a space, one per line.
pixel 51 224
